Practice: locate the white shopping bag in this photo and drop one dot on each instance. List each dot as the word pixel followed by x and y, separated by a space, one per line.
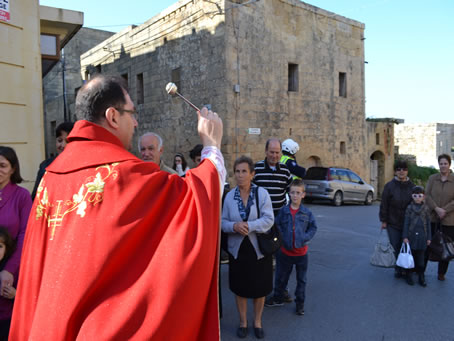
pixel 405 259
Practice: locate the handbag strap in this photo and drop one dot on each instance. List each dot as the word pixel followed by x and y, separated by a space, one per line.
pixel 403 248
pixel 256 190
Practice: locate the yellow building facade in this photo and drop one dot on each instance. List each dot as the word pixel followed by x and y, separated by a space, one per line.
pixel 23 29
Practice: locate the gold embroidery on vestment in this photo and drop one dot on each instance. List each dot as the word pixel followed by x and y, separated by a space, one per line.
pixel 90 193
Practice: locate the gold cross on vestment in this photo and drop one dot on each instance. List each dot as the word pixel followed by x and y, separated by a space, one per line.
pixel 55 220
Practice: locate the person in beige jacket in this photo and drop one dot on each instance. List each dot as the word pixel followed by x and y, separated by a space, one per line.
pixel 440 200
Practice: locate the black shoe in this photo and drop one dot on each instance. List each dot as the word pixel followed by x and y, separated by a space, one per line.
pixel 287 297
pixel 422 280
pixel 259 333
pixel 300 309
pixel 271 301
pixel 241 332
pixel 410 279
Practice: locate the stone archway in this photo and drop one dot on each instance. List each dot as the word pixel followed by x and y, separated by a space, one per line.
pixel 377 172
pixel 313 161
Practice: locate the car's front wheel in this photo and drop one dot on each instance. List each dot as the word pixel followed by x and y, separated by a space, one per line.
pixel 369 198
pixel 337 200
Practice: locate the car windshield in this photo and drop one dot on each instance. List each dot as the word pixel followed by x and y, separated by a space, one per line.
pixel 316 173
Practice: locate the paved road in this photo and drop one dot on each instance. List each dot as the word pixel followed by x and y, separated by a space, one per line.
pixel 346 297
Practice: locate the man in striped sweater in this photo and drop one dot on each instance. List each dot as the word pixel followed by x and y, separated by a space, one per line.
pixel 275 177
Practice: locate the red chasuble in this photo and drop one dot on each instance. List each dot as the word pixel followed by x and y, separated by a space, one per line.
pixel 117 250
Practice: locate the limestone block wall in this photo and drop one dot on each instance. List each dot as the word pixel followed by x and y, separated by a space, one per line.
pixel 419 140
pixel 380 146
pixel 188 36
pixel 262 40
pixel 236 58
pixel 445 139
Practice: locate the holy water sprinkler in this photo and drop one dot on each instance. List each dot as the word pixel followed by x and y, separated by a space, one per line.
pixel 172 89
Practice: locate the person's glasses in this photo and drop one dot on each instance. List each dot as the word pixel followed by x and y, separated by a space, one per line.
pixel 401 169
pixel 134 113
pixel 417 196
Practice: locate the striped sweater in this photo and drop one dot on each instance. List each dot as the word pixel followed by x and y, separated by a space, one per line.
pixel 276 182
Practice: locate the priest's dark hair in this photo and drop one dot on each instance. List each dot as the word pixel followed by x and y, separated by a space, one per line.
pixel 99 94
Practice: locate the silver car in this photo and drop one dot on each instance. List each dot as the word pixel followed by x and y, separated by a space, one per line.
pixel 338 185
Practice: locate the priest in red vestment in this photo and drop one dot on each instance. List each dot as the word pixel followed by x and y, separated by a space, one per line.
pixel 116 249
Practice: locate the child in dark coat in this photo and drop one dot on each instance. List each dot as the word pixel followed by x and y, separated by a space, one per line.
pixel 417 232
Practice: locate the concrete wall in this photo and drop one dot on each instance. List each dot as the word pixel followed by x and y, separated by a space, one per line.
pixel 20 87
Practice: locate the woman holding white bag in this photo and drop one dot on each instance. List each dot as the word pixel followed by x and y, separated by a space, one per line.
pixel 395 199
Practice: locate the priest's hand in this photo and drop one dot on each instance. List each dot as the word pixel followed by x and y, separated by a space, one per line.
pixel 6 280
pixel 210 128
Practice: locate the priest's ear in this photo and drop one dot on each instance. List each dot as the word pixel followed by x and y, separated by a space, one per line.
pixel 112 117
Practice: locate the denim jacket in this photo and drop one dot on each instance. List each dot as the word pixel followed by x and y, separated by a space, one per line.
pixel 305 226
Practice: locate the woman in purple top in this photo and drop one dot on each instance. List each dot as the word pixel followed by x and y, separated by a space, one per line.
pixel 15 205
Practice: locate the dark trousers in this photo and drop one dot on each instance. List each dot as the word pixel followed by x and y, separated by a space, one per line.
pixel 4 329
pixel 284 267
pixel 449 231
pixel 395 238
pixel 419 258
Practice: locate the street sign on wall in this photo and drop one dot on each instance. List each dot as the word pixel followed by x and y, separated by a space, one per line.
pixel 4 10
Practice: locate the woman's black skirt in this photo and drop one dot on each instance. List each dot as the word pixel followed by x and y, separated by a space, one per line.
pixel 249 277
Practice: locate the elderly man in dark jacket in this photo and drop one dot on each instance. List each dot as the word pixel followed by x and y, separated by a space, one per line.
pixel 395 199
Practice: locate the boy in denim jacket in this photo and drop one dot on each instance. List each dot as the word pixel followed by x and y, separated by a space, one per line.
pixel 297 226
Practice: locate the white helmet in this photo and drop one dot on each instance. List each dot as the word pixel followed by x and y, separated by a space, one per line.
pixel 290 146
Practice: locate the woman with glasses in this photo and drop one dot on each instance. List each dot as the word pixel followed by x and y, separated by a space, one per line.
pixel 440 200
pixel 394 201
pixel 179 164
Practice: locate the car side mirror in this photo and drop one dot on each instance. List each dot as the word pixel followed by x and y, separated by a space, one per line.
pixel 361 182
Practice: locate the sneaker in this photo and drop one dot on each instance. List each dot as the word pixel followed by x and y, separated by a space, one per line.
pixel 271 301
pixel 287 297
pixel 300 309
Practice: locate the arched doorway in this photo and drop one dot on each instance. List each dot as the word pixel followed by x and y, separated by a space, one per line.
pixel 377 172
pixel 313 161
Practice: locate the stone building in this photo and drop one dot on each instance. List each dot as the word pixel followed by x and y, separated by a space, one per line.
pixel 62 81
pixel 380 137
pixel 278 68
pixel 425 141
